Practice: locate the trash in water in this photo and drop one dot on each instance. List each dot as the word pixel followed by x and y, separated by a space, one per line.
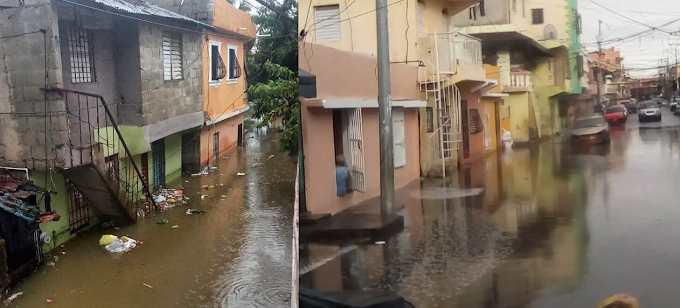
pixel 240 173
pixel 50 263
pixel 271 156
pixel 256 165
pixel 175 226
pixel 224 196
pixel 194 211
pixel 204 196
pixel 123 244
pixel 162 222
pixel 208 186
pixel 148 286
pixel 63 252
pixel 380 242
pixel 14 296
pixel 107 239
pixel 205 171
pixel 168 198
pixel 50 300
pixel 108 225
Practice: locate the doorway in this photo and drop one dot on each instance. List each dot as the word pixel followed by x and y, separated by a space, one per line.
pixel 191 152
pixel 464 117
pixel 239 137
pixel 158 156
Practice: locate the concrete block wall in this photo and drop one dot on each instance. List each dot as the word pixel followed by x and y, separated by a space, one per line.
pixel 23 137
pixel 162 100
pixel 128 72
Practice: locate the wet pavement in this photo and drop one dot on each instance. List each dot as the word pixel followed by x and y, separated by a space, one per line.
pixel 551 227
pixel 237 254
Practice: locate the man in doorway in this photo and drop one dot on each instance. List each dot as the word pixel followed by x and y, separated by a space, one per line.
pixel 343 178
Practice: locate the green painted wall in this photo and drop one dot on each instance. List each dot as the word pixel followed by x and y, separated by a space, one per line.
pixel 574 46
pixel 134 137
pixel 59 230
pixel 173 158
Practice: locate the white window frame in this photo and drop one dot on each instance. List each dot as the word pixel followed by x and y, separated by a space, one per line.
pixel 171 35
pixel 229 68
pixel 212 82
pixel 327 23
pixel 353 146
pixel 399 137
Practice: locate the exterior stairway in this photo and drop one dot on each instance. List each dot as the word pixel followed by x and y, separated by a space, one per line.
pixel 98 161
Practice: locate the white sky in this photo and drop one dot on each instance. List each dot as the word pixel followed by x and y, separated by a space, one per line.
pixel 639 52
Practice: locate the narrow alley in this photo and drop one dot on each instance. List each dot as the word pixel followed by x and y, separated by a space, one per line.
pixel 236 254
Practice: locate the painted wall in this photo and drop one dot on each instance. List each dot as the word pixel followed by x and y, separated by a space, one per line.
pixel 225 96
pixel 320 159
pixel 497 12
pixel 520 121
pixel 355 72
pixel 359 34
pixel 228 136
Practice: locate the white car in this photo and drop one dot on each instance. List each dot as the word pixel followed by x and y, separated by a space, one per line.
pixel 649 110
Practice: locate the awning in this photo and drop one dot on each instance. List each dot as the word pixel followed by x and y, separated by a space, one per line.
pixel 512 38
pixel 307 84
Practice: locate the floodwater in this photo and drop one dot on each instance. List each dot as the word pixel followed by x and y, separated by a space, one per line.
pixel 551 227
pixel 237 254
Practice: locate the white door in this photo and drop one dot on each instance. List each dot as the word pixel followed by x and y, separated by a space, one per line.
pixel 353 145
pixel 398 137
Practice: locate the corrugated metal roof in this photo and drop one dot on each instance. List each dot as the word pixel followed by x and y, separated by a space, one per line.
pixel 141 7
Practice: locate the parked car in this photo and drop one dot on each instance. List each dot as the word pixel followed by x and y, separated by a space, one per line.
pixel 630 106
pixel 592 129
pixel 674 103
pixel 649 110
pixel 616 115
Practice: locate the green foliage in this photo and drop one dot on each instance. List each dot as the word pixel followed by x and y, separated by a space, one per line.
pixel 241 5
pixel 272 72
pixel 277 98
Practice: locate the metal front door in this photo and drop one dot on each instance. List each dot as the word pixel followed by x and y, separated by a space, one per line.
pixel 158 155
pixel 240 135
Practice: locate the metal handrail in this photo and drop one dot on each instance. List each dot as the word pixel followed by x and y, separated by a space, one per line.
pixel 109 115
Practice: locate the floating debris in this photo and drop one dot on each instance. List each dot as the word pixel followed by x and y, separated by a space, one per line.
pixel 123 244
pixel 240 173
pixel 50 300
pixel 380 243
pixel 194 211
pixel 14 296
pixel 175 226
pixel 148 286
pixel 162 222
pixel 169 198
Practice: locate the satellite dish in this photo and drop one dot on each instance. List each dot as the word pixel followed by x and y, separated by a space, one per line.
pixel 550 32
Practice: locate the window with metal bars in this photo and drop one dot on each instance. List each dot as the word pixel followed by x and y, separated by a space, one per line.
pixel 216 147
pixel 78 212
pixel 234 67
pixel 217 68
pixel 172 56
pixel 81 54
pixel 476 123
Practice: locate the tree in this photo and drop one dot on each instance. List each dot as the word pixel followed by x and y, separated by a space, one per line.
pixel 272 71
pixel 241 5
pixel 277 98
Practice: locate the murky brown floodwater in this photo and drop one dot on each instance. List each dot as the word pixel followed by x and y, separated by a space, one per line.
pixel 237 254
pixel 552 228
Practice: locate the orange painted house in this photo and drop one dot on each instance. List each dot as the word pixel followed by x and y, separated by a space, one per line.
pixel 224 81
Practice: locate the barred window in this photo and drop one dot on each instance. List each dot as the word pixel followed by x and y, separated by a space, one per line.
pixel 81 54
pixel 234 67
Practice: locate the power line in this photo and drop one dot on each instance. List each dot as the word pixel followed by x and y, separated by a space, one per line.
pixel 633 20
pixel 355 16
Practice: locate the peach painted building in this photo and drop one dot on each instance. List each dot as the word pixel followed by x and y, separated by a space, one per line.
pixel 343 120
pixel 224 81
pixel 450 76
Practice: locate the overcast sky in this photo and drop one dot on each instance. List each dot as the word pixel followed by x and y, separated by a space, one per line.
pixel 641 51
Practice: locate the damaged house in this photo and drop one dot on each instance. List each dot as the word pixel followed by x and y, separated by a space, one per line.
pixel 96 97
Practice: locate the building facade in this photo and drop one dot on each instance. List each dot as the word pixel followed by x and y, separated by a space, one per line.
pixel 224 50
pixel 96 113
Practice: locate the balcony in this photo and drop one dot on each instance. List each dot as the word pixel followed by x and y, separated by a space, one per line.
pixel 517 81
pixel 455 54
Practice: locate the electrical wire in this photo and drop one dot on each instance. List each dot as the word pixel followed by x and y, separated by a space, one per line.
pixel 333 16
pixel 312 28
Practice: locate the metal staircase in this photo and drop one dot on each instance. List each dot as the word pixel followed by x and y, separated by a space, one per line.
pixel 434 81
pixel 99 163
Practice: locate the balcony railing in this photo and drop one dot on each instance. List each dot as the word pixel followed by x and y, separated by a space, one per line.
pixel 454 49
pixel 521 79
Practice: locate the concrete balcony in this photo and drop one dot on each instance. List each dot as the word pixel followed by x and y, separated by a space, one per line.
pixel 453 56
pixel 518 81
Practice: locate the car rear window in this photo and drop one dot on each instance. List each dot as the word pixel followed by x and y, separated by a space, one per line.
pixel 614 109
pixel 648 104
pixel 592 122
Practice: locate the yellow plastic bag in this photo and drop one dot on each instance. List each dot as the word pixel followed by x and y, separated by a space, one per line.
pixel 620 300
pixel 107 239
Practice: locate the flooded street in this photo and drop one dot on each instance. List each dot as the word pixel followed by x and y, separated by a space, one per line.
pixel 236 254
pixel 541 227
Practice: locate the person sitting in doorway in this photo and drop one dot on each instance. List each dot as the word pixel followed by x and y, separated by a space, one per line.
pixel 343 178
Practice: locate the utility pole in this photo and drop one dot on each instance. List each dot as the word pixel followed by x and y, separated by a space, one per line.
pixel 598 75
pixel 385 112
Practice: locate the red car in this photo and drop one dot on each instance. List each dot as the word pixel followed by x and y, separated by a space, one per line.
pixel 616 115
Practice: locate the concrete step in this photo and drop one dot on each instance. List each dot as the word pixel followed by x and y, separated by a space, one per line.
pixel 351 226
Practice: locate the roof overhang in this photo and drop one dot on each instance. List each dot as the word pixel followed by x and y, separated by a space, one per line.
pixel 485 86
pixel 227 116
pixel 512 38
pixel 340 103
pixel 494 95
